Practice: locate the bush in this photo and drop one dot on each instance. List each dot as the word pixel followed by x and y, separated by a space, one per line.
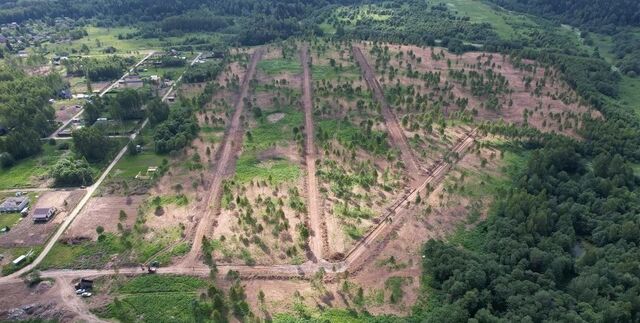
pixel 72 172
pixel 6 160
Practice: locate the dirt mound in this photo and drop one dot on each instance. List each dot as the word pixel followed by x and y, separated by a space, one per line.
pixel 275 117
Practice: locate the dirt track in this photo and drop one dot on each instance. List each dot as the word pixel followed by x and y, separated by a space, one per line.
pixel 361 254
pixel 397 136
pixel 231 144
pixel 318 242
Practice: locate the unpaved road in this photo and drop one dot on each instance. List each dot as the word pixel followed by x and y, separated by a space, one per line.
pixel 396 133
pixel 318 242
pixel 90 190
pixel 231 144
pixel 74 302
pixel 360 251
pixel 105 91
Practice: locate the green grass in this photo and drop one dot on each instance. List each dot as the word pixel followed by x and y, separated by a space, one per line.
pixel 353 232
pixel 155 298
pixel 277 170
pixel 96 254
pixel 168 72
pixel 9 219
pixel 278 66
pixel 13 253
pixel 334 316
pixel 267 134
pixel 29 172
pixel 326 72
pixel 129 166
pixel 480 12
pixel 162 284
pixel 630 93
pixel 341 130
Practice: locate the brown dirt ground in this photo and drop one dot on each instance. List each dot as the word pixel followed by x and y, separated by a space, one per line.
pixel 104 211
pixel 411 233
pixel 66 112
pixel 26 233
pixel 19 302
pixel 522 98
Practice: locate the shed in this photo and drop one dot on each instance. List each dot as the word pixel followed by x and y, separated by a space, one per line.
pixel 86 284
pixel 14 204
pixel 43 214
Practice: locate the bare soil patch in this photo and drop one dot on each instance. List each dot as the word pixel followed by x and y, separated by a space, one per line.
pixel 27 233
pixel 104 212
pixel 275 117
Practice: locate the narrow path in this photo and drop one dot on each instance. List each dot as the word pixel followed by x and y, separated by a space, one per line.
pixel 318 242
pixel 360 254
pixel 230 145
pixel 102 93
pixel 395 131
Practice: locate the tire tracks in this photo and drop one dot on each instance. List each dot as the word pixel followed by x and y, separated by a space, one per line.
pixel 231 144
pixel 318 242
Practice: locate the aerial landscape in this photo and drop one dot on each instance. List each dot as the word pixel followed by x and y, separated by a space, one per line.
pixel 320 161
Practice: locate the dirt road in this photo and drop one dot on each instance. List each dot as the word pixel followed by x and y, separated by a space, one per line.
pixel 103 92
pixel 74 302
pixel 231 144
pixel 437 174
pixel 395 131
pixel 318 242
pixel 90 190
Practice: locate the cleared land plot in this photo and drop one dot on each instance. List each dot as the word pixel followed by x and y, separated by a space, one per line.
pixel 263 206
pixel 357 171
pixel 391 275
pixel 478 86
pixel 27 233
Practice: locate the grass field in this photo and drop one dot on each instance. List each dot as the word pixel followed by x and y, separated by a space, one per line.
pixel 100 38
pixel 30 172
pixel 129 166
pixel 480 12
pixel 267 134
pixel 9 219
pixel 326 72
pixel 155 298
pixel 278 66
pixel 131 250
pixel 277 170
pixel 630 93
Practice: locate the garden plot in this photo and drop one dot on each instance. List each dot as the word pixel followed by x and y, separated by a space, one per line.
pixel 427 85
pixel 358 170
pixel 263 206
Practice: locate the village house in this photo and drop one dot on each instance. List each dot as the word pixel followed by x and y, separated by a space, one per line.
pixel 43 214
pixel 14 204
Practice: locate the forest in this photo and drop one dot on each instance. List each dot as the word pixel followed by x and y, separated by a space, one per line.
pixel 25 113
pixel 563 242
pixel 590 14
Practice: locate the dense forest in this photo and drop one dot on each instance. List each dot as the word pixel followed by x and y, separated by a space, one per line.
pixel 603 16
pixel 561 245
pixel 25 113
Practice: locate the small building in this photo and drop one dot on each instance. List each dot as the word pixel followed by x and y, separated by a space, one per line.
pixel 131 81
pixel 86 284
pixel 14 204
pixel 18 260
pixel 43 214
